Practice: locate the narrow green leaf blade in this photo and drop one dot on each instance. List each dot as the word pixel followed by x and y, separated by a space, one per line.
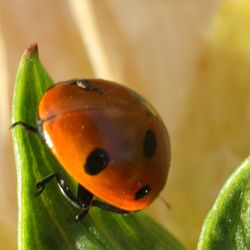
pixel 227 225
pixel 46 222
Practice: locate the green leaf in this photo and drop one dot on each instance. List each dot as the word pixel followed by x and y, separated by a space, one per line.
pixel 227 225
pixel 46 222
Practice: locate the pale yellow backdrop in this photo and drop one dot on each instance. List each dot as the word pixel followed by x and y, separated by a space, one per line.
pixel 164 49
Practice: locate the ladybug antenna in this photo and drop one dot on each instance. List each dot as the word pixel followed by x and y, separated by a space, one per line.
pixel 24 125
pixel 165 202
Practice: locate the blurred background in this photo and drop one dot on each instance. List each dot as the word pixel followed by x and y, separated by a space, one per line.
pixel 189 58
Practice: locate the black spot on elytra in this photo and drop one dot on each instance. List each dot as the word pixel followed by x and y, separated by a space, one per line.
pixel 142 192
pixel 150 143
pixel 96 162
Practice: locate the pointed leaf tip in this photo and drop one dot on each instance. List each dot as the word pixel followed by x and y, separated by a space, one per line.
pixel 32 49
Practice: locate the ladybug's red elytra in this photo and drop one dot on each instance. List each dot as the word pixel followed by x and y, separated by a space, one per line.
pixel 109 139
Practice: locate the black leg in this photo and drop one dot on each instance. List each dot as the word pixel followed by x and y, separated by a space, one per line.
pixel 109 208
pixel 82 214
pixel 64 188
pixel 82 201
pixel 67 192
pixel 84 198
pixel 41 184
pixel 25 125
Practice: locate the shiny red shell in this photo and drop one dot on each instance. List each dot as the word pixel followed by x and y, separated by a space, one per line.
pixel 79 117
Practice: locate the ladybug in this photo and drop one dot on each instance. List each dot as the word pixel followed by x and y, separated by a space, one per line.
pixel 109 139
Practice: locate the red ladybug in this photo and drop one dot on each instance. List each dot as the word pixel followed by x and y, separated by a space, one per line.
pixel 109 139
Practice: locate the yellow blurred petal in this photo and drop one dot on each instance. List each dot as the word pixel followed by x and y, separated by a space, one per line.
pixel 8 203
pixel 213 137
pixel 230 29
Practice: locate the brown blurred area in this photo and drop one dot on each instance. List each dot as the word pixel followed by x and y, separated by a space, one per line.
pixel 160 49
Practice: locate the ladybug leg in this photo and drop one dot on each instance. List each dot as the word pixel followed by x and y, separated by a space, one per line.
pixel 109 208
pixel 25 125
pixel 64 188
pixel 85 198
pixel 67 192
pixel 81 215
pixel 41 184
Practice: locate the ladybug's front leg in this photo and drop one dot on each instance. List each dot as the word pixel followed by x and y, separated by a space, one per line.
pixel 81 202
pixel 41 184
